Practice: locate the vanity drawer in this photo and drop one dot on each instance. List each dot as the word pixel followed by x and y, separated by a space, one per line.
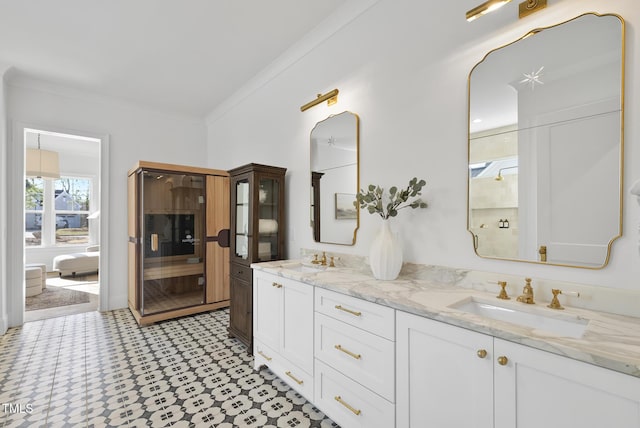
pixel 364 357
pixel 241 272
pixel 371 317
pixel 294 376
pixel 348 403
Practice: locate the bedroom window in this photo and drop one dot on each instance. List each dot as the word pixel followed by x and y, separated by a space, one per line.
pixel 56 211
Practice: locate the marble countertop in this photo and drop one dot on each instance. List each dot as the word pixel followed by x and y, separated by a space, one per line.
pixel 610 341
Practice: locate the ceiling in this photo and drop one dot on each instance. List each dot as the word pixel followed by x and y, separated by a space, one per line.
pixel 182 57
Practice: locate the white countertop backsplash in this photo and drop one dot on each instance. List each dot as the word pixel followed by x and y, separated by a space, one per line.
pixel 611 340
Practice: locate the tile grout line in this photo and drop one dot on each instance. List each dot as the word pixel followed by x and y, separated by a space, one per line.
pixel 86 375
pixel 35 342
pixel 55 370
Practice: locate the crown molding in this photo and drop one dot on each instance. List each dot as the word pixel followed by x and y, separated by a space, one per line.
pixel 327 28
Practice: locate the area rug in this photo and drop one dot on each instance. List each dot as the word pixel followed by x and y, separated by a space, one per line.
pixel 52 297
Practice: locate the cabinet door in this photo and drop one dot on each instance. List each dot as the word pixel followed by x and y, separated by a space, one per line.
pixel 297 324
pixel 539 389
pixel 267 309
pixel 444 379
pixel 241 309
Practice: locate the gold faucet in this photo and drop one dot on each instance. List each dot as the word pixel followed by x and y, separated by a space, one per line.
pixel 323 261
pixel 315 260
pixel 527 293
pixel 503 293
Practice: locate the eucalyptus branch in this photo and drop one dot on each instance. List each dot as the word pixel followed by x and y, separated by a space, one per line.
pixel 398 199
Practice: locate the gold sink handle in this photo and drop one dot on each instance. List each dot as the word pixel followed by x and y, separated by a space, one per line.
pixel 503 292
pixel 555 303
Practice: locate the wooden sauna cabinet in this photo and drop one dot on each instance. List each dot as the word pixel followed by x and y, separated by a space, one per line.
pixel 178 240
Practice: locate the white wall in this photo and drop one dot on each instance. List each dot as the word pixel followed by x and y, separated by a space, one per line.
pixel 402 66
pixel 3 202
pixel 134 134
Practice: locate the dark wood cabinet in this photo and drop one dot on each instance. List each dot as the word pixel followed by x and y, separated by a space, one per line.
pixel 257 235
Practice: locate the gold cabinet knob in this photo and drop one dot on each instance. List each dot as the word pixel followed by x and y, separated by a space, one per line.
pixel 502 360
pixel 482 353
pixel 275 284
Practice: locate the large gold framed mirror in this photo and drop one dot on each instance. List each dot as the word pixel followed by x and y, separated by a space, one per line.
pixel 546 145
pixel 335 179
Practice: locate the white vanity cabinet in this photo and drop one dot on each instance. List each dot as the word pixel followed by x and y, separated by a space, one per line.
pixel 444 375
pixel 283 329
pixel 452 377
pixel 354 360
pixel 539 389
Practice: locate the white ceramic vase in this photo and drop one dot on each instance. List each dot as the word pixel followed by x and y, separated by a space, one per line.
pixel 385 255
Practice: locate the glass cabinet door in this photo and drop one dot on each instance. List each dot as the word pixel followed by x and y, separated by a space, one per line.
pixel 242 219
pixel 172 229
pixel 268 218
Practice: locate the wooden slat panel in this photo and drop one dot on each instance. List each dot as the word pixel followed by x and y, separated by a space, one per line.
pixel 173 270
pixel 217 273
pixel 133 295
pixel 218 218
pixel 218 203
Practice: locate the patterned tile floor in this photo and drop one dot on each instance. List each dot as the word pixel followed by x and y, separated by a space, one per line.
pixel 102 369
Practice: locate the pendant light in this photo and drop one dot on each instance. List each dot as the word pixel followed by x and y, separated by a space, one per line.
pixel 42 163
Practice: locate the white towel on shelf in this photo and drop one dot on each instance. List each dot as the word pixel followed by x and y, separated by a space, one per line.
pixel 264 250
pixel 266 225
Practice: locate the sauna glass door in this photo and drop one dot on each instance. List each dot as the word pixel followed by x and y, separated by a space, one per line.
pixel 172 226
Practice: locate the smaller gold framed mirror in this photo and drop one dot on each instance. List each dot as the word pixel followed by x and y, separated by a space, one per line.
pixel 335 179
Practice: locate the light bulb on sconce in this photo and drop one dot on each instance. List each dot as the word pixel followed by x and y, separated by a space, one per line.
pixel 526 8
pixel 485 8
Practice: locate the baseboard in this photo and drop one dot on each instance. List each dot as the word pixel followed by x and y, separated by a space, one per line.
pixel 4 324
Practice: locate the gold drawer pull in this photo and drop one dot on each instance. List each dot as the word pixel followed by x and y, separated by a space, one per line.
pixel 341 401
pixel 298 381
pixel 340 348
pixel 265 357
pixel 502 360
pixel 275 284
pixel 482 353
pixel 340 308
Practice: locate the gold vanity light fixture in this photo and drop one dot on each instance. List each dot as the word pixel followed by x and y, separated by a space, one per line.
pixel 330 97
pixel 526 8
pixel 484 8
pixel 531 6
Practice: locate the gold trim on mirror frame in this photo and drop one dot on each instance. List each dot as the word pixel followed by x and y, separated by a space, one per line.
pixel 622 98
pixel 355 231
pixel 330 97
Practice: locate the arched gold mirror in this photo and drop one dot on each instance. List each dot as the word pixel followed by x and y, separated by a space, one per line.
pixel 546 145
pixel 335 179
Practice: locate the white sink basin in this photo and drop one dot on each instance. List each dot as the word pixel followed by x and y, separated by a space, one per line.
pixel 538 318
pixel 299 267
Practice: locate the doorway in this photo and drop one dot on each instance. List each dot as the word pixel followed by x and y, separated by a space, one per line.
pixel 62 227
